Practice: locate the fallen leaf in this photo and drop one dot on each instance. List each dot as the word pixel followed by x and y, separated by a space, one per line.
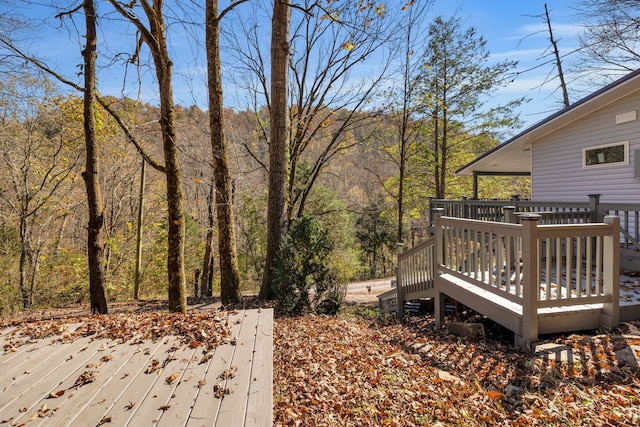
pixel 171 378
pixel 229 373
pixel 494 395
pixel 155 364
pixel 85 378
pixel 219 391
pixel 55 394
pixel 206 358
pixel 42 412
pixel 105 419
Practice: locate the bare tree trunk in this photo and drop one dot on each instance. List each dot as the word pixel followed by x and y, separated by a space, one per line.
pixel 175 210
pixel 95 231
pixel 61 230
pixel 554 43
pixel 155 38
pixel 136 279
pixel 207 263
pixel 24 258
pixel 437 154
pixel 444 143
pixel 278 146
pixel 229 273
pixel 34 274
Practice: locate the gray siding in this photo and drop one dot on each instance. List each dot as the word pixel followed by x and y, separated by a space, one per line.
pixel 557 173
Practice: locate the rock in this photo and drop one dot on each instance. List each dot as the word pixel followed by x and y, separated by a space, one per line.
pixel 629 329
pixel 466 329
pixel 512 390
pixel 444 375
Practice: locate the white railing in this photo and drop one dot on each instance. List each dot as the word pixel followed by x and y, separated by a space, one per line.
pixel 414 276
pixel 416 268
pixel 535 266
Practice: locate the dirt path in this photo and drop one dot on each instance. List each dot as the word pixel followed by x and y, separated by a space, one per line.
pixel 367 292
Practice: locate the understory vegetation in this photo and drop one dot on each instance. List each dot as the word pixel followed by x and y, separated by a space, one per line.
pixel 43 244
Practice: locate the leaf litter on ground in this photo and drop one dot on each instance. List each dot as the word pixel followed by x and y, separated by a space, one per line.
pixel 355 370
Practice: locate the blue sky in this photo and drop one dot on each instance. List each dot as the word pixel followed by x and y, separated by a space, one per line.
pixel 513 29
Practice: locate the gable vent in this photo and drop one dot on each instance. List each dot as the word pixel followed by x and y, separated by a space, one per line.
pixel 626 117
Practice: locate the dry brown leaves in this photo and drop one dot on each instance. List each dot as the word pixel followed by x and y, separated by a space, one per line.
pixel 356 371
pixel 85 378
pixel 207 329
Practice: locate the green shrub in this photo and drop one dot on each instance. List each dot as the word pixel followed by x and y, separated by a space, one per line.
pixel 302 277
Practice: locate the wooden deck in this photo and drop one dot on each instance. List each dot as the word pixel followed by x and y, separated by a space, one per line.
pixel 91 382
pixel 533 279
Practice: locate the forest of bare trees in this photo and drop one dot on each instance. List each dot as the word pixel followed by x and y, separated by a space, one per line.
pixel 357 149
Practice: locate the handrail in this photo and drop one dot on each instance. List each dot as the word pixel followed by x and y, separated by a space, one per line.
pixel 592 210
pixel 415 271
pixel 537 266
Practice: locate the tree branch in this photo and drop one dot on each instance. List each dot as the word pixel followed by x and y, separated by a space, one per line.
pixel 103 103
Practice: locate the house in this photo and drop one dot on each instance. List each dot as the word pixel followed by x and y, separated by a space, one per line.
pixel 590 147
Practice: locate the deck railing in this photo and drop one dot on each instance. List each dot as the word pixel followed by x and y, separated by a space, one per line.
pixel 592 210
pixel 533 265
pixel 629 214
pixel 414 276
pixel 416 269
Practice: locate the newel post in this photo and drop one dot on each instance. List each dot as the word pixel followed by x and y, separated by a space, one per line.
pixel 610 317
pixel 594 207
pixel 530 280
pixel 399 289
pixel 438 300
pixel 465 208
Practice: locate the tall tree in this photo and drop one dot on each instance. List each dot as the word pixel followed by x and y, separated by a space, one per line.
pixel 229 273
pixel 91 175
pixel 330 93
pixel 454 90
pixel 402 118
pixel 154 37
pixel 278 142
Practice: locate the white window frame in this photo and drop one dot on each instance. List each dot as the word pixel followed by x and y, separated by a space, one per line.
pixel 625 162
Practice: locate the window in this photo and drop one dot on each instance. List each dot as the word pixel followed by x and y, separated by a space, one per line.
pixel 615 154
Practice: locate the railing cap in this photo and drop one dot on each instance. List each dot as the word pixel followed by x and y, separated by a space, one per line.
pixel 528 216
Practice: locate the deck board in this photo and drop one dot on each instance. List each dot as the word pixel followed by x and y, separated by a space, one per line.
pixel 127 388
pixel 28 390
pixel 261 375
pixel 207 407
pixel 123 394
pixel 67 412
pixel 239 381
